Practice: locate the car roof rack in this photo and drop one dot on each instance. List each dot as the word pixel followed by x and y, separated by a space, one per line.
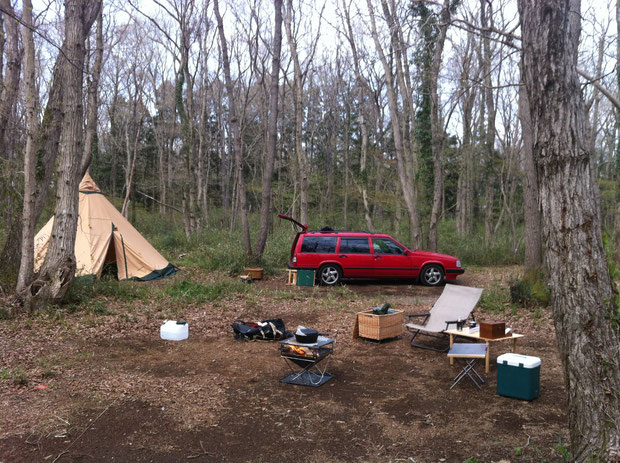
pixel 342 231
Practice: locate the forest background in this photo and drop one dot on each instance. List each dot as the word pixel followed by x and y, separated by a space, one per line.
pixel 433 121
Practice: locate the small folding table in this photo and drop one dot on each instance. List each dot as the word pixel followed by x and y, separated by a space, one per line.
pixel 466 356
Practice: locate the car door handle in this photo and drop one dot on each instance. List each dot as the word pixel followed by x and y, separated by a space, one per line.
pixel 377 257
pixel 342 256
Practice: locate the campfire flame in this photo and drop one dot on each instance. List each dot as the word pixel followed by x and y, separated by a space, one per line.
pixel 298 350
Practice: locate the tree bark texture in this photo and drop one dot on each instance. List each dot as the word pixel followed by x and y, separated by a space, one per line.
pixel 583 301
pixel 272 132
pixel 26 265
pixel 9 189
pixel 533 226
pixel 93 98
pixel 58 269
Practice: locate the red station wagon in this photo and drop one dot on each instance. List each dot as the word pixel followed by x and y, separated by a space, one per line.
pixel 335 255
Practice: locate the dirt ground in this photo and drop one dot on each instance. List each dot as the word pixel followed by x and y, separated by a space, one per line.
pixel 117 392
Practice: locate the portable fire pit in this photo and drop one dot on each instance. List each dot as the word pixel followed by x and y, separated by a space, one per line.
pixel 304 359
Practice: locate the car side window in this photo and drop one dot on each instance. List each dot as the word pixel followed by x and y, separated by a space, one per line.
pixel 354 246
pixel 386 246
pixel 319 244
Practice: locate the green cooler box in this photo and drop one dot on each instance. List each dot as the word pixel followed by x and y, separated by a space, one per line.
pixel 305 277
pixel 518 376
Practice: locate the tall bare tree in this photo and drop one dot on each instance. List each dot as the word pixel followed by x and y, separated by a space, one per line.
pixel 26 265
pixel 272 132
pixel 583 300
pixel 235 129
pixel 58 269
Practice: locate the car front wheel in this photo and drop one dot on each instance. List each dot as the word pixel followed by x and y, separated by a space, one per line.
pixel 432 275
pixel 330 275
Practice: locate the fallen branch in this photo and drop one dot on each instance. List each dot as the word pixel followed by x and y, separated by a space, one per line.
pixel 82 433
pixel 204 452
pixel 158 201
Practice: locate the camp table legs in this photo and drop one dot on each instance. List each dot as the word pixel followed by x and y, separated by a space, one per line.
pixel 467 355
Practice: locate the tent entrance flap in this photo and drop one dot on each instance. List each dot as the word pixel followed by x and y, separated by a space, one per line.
pixel 121 256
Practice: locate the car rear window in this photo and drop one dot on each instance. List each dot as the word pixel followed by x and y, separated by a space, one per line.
pixel 354 246
pixel 319 244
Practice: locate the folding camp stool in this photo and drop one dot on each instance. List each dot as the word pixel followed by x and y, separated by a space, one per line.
pixel 466 355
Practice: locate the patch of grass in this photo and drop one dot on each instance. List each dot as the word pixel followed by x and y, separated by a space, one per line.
pixel 5 314
pixel 562 451
pixel 48 368
pixel 5 374
pixel 495 300
pixel 193 291
pixel 19 377
pixel 472 460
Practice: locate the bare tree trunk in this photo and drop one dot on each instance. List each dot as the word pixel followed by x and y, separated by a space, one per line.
pixel 298 92
pixel 405 175
pixel 272 132
pixel 533 226
pixel 487 94
pixel 617 166
pixel 132 166
pixel 236 133
pixel 360 86
pixel 93 98
pixel 26 266
pixel 58 269
pixel 436 126
pixel 581 288
pixel 9 91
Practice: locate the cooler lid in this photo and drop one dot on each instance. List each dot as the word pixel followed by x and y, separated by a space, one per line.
pixel 518 360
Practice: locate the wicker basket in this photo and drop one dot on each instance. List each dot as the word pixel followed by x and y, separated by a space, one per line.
pixel 380 327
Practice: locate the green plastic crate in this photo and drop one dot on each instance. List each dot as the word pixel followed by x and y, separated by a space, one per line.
pixel 518 376
pixel 305 277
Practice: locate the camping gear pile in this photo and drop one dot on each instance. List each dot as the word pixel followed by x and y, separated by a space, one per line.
pixel 266 330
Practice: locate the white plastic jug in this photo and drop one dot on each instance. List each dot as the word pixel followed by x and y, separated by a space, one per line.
pixel 173 330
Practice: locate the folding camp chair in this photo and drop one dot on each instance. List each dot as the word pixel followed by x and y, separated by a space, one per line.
pixel 454 307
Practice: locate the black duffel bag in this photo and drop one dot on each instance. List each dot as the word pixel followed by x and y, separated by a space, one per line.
pixel 267 330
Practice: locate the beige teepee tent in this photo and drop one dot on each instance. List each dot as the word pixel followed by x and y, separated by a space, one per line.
pixel 105 236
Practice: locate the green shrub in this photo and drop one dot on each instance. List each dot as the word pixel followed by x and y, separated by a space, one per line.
pixel 530 290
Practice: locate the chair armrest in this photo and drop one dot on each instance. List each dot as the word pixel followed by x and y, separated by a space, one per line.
pixel 459 324
pixel 424 315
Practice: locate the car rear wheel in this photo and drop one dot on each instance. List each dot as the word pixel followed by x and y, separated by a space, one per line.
pixel 330 275
pixel 432 275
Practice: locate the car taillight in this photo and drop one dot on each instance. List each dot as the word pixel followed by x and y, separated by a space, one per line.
pixel 295 259
pixel 458 263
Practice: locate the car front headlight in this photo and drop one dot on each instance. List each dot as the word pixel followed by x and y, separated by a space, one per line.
pixel 458 263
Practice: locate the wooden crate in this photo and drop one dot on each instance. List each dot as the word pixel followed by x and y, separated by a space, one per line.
pixel 379 327
pixel 492 330
pixel 255 273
